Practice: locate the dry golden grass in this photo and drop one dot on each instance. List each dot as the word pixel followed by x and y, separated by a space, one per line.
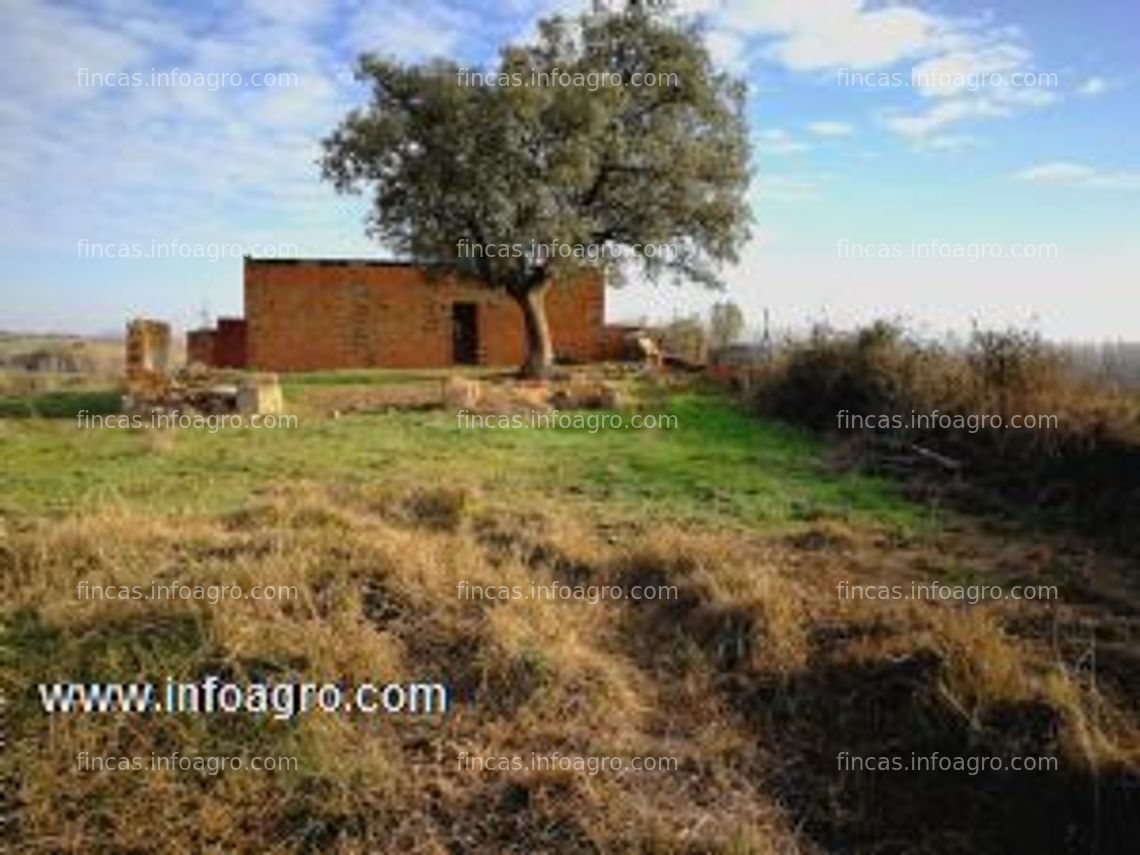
pixel 752 677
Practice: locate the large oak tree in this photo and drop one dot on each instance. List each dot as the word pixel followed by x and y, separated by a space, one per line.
pixel 628 177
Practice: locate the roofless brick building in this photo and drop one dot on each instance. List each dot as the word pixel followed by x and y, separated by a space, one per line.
pixel 324 315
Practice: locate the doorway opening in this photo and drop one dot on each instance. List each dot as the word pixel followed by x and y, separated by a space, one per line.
pixel 465 334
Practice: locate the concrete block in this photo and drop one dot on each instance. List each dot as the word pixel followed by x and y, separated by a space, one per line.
pixel 260 394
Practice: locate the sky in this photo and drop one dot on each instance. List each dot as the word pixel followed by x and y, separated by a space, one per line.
pixel 944 163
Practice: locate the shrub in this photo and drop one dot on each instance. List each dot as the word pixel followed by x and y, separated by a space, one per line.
pixel 1084 460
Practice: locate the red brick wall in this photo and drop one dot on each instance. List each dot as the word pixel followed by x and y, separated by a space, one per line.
pixel 311 316
pixel 229 343
pixel 615 348
pixel 200 346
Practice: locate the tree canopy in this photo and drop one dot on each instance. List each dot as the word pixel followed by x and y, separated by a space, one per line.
pixel 557 160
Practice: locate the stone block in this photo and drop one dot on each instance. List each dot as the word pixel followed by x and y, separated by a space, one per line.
pixel 260 394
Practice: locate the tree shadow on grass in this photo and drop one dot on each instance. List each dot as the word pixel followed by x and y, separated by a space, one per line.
pixel 894 709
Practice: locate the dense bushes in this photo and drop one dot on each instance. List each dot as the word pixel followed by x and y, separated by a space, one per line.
pixel 882 386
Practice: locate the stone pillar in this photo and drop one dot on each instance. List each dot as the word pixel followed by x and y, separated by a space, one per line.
pixel 148 358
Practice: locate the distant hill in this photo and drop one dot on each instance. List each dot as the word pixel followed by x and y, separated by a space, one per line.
pixel 60 353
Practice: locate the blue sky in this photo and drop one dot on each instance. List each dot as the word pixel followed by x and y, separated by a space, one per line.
pixel 963 166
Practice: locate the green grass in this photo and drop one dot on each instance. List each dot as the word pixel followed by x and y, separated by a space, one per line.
pixel 60 404
pixel 754 621
pixel 718 464
pixel 377 377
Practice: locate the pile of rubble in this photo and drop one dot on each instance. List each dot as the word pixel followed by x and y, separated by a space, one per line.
pixel 153 389
pixel 579 390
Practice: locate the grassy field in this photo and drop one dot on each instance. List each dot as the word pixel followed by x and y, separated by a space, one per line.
pixel 718 463
pixel 752 678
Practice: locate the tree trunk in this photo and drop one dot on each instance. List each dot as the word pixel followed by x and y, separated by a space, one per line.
pixel 540 349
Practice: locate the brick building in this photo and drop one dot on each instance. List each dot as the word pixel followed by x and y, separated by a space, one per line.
pixel 321 315
pixel 222 347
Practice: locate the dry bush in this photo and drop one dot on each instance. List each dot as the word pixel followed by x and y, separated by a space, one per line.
pixel 1085 467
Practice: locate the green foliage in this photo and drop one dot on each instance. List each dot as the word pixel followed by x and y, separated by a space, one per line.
pixel 451 157
pixel 61 404
pixel 872 371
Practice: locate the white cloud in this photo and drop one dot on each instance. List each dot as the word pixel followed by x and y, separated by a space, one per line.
pixel 832 33
pixel 786 188
pixel 165 162
pixel 951 142
pixel 728 50
pixel 1070 174
pixel 778 142
pixel 45 47
pixel 975 69
pixel 412 31
pixel 1095 86
pixel 1000 101
pixel 294 12
pixel 831 129
pixel 869 40
pixel 1025 97
pixel 918 127
pixel 1057 172
pixel 968 70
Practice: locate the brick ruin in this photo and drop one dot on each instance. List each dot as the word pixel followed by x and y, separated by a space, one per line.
pixel 147 357
pixel 321 315
pixel 220 347
pixel 151 387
